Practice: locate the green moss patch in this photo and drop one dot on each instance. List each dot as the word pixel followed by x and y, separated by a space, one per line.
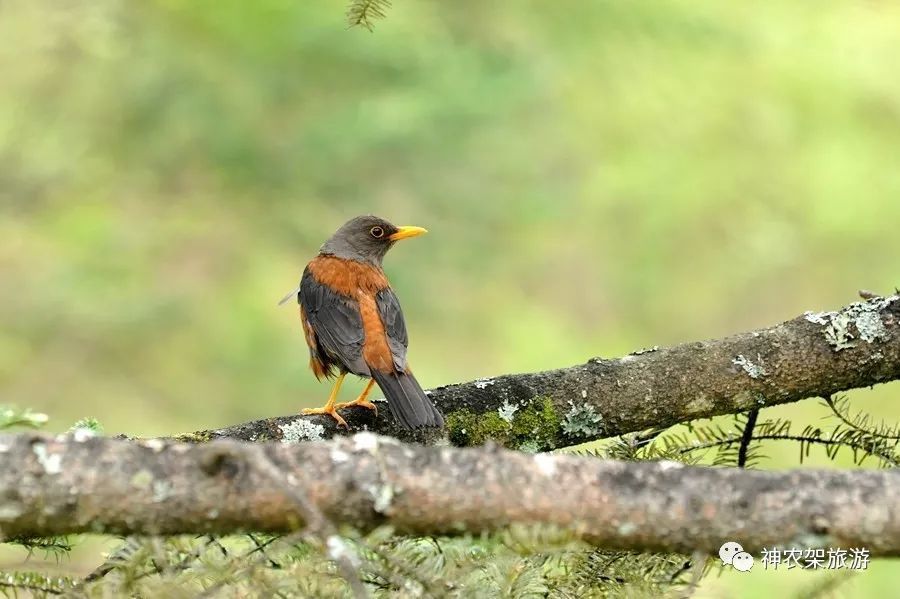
pixel 533 428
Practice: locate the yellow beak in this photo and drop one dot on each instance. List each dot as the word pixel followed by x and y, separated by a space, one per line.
pixel 404 232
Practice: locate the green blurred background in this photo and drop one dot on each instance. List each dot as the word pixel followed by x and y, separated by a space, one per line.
pixel 596 176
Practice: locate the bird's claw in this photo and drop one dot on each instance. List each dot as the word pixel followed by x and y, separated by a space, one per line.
pixel 331 411
pixel 363 403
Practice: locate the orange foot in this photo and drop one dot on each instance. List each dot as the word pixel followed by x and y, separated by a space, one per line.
pixel 361 401
pixel 331 409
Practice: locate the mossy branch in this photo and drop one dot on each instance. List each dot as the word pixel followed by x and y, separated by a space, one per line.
pixel 813 355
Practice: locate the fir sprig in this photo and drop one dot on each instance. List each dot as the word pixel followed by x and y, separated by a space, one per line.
pixel 363 13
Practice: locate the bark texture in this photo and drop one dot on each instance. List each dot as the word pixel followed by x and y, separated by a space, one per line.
pixel 61 485
pixel 815 354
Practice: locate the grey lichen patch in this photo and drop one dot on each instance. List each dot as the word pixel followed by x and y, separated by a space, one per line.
pixel 365 442
pixel 51 463
pixel 301 430
pixel 822 318
pixel 483 383
pixel 582 421
pixel 80 435
pixel 875 356
pixel 645 350
pixel 669 465
pixel 338 455
pixel 870 327
pixel 865 317
pixel 507 411
pixel 546 463
pixel 837 333
pixel 155 445
pixel 162 489
pixel 755 370
pixel 382 496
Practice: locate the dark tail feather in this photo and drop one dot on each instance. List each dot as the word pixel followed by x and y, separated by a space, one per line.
pixel 408 403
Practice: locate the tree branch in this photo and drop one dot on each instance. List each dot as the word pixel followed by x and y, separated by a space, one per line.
pixel 810 356
pixel 51 486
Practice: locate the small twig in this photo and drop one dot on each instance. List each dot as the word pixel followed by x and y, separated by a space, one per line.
pixel 395 579
pixel 644 438
pixel 889 459
pixel 687 565
pixel 845 418
pixel 698 566
pixel 244 572
pixel 747 436
pixel 35 582
pixel 261 548
pixel 129 545
pixel 316 525
pixel 315 522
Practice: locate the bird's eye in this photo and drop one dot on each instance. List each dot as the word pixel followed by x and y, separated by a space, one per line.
pixel 377 232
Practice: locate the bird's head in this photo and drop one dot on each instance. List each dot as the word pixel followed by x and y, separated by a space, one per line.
pixel 366 239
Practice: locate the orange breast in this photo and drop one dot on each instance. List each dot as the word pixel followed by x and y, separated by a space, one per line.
pixel 347 277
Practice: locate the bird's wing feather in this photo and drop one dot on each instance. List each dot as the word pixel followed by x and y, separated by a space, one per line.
pixel 336 321
pixel 292 294
pixel 394 325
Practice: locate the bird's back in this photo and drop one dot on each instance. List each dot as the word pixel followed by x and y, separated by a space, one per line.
pixel 356 325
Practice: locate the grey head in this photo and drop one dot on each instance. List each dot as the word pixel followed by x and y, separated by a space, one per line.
pixel 366 239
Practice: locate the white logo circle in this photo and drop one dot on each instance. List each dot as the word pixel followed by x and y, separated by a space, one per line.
pixel 742 561
pixel 728 551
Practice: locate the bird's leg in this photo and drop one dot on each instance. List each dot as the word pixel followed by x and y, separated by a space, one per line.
pixel 361 401
pixel 329 408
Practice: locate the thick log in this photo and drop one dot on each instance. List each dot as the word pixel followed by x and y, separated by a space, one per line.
pixel 51 486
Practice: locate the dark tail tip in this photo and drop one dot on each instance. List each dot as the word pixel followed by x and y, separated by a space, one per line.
pixel 407 401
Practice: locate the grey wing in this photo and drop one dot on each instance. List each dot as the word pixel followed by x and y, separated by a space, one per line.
pixel 337 323
pixel 394 325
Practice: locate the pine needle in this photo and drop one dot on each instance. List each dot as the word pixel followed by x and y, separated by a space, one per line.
pixel 363 13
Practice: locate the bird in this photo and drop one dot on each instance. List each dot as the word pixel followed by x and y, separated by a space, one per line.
pixel 353 323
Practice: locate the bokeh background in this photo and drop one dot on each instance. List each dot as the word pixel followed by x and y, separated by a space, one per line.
pixel 596 176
